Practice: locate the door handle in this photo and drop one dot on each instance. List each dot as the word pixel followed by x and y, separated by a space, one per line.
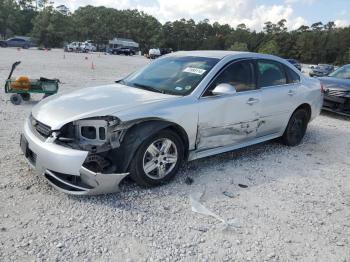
pixel 252 101
pixel 291 92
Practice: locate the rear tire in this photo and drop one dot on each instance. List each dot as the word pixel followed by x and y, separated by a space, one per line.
pixel 16 99
pixel 158 159
pixel 25 96
pixel 296 128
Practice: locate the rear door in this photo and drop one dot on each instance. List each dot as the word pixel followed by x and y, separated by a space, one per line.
pixel 279 87
pixel 226 120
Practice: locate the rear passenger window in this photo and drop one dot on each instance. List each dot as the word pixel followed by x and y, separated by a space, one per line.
pixel 292 76
pixel 271 73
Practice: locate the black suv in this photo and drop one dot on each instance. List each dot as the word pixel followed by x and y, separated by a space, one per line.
pixel 121 51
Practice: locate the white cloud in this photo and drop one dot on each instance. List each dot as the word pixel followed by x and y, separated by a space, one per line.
pixel 342 22
pixel 223 11
pixel 304 2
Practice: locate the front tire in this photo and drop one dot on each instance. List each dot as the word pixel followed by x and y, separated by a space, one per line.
pixel 296 128
pixel 158 159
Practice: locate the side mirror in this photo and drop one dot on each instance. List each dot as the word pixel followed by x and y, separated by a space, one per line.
pixel 120 79
pixel 224 89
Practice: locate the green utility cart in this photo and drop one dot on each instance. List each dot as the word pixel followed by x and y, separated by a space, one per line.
pixel 22 87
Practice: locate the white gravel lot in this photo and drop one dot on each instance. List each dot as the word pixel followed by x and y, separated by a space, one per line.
pixel 296 206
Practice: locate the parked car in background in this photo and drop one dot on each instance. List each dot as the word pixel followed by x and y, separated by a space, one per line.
pixel 88 47
pixel 321 70
pixel 154 53
pixel 181 107
pixel 121 51
pixel 18 41
pixel 337 90
pixel 294 63
pixel 73 47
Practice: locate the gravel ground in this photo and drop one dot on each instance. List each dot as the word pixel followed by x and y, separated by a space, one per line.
pixel 296 206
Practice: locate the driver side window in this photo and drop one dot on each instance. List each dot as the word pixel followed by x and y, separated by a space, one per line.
pixel 238 74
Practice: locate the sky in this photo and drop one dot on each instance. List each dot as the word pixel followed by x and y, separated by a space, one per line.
pixel 251 12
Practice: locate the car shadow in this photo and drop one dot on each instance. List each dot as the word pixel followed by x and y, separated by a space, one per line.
pixel 227 170
pixel 335 115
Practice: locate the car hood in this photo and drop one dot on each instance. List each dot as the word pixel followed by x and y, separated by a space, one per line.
pixel 336 83
pixel 57 110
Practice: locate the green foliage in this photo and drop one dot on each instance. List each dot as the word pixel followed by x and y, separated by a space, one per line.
pixel 51 28
pixel 239 46
pixel 9 11
pixel 269 47
pixel 319 43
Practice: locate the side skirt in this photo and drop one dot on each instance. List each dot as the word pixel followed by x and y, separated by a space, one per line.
pixel 214 151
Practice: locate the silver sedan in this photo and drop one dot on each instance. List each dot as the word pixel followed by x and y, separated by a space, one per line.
pixel 181 107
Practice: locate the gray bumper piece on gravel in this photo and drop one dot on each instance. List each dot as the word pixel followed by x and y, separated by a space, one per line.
pixel 89 183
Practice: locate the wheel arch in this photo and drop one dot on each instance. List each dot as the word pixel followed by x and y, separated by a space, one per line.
pixel 306 107
pixel 140 130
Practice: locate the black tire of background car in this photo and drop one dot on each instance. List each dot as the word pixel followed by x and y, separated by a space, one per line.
pixel 296 128
pixel 16 99
pixel 4 45
pixel 136 166
pixel 25 96
pixel 25 46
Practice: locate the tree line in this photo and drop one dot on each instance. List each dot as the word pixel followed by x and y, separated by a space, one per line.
pixel 318 43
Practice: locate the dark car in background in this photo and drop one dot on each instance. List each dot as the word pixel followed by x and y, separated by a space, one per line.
pixel 321 70
pixel 121 51
pixel 337 90
pixel 294 63
pixel 18 41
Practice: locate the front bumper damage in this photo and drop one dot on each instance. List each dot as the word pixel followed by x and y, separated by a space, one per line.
pixel 336 103
pixel 63 167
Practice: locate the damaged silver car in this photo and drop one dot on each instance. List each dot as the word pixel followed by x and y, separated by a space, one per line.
pixel 181 107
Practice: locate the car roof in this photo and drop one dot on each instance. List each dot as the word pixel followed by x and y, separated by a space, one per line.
pixel 220 54
pixel 27 38
pixel 208 53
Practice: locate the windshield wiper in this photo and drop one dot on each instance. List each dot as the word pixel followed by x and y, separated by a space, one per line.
pixel 149 88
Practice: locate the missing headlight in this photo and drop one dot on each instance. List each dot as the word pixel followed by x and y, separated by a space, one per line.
pixel 92 134
pixel 89 132
pixel 102 133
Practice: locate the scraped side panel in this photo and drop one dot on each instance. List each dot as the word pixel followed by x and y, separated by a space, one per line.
pixel 212 137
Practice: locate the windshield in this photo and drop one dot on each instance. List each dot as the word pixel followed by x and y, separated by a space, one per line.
pixel 171 75
pixel 343 72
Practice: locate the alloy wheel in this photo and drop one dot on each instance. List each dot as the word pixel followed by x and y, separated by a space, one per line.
pixel 160 158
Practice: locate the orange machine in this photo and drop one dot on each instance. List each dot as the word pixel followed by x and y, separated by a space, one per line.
pixel 21 83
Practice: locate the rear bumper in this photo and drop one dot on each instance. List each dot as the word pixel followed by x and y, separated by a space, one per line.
pixel 337 104
pixel 63 167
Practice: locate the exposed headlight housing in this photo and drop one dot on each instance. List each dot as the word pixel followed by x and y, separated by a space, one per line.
pixel 92 132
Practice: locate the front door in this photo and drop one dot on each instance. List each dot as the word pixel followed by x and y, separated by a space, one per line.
pixel 226 120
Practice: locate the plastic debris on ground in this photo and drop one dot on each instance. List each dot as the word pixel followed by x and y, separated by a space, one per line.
pixel 198 207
